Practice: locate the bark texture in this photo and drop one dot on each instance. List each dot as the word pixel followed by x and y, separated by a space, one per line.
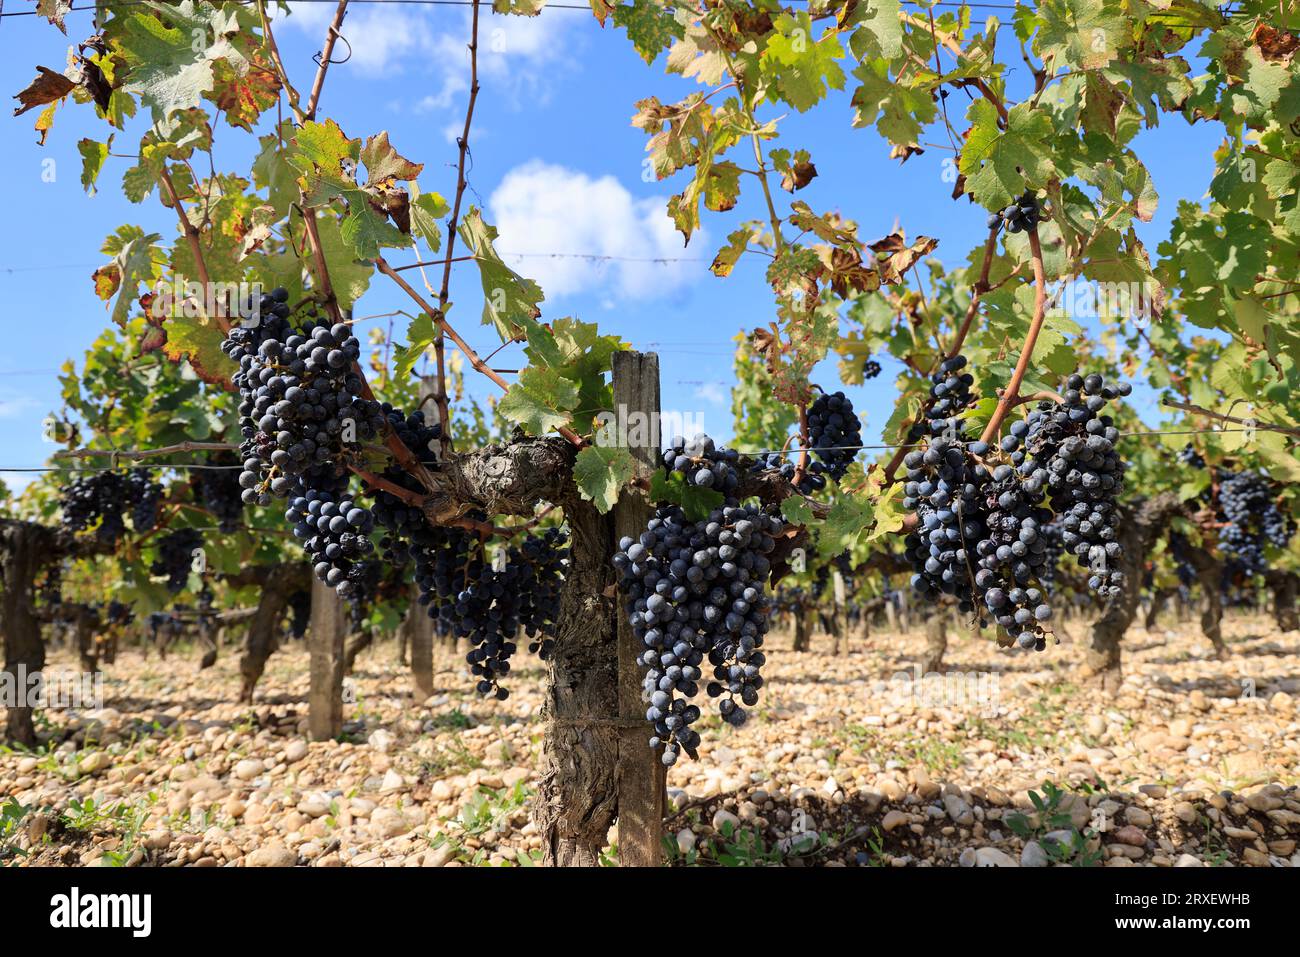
pixel 936 641
pixel 24 549
pixel 1209 570
pixel 802 639
pixel 277 583
pixel 1140 525
pixel 1285 585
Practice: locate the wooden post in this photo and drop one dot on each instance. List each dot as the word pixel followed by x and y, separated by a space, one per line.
pixel 421 634
pixel 642 777
pixel 325 646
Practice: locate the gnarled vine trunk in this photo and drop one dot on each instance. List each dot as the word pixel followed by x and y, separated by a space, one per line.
pixel 276 583
pixel 356 643
pixel 801 636
pixel 24 548
pixel 1159 601
pixel 1285 585
pixel 1139 527
pixel 1210 572
pixel 936 641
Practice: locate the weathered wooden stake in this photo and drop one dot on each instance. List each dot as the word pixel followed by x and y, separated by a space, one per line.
pixel 642 778
pixel 325 646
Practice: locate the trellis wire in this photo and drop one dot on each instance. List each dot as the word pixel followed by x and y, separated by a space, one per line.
pixel 791 451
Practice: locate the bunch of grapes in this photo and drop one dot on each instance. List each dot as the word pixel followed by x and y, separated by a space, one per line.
pixel 404 524
pixel 364 577
pixel 1180 550
pixel 1023 214
pixel 870 369
pixel 950 396
pixel 1189 456
pixel 144 496
pixel 694 590
pixel 219 491
pixel 701 463
pixel 992 522
pixel 489 602
pixel 834 432
pixel 299 612
pixel 176 557
pixel 105 496
pixel 118 613
pixel 50 591
pixel 1069 448
pixel 334 531
pixel 1252 519
pixel 301 403
pixel 539 614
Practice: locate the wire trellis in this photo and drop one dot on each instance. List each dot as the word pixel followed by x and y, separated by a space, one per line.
pixel 186 466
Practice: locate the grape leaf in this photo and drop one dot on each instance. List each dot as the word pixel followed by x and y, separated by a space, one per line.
pixel 93 154
pixel 672 488
pixel 540 401
pixel 170 68
pixel 199 341
pixel 600 472
pixel 802 70
pixel 998 164
pixel 508 298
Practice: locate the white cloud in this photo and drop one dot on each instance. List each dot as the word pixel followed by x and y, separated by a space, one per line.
pixel 516 54
pixel 12 408
pixel 710 392
pixel 541 209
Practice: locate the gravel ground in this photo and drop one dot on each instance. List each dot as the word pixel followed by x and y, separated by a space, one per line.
pixel 1007 760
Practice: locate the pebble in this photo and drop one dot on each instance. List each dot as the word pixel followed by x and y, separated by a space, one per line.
pixel 272 855
pixel 1033 855
pixel 249 768
pixel 992 857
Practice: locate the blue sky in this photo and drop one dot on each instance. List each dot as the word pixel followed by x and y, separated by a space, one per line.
pixel 556 165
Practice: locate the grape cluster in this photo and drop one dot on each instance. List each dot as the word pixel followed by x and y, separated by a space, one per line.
pixel 1069 448
pixel 105 496
pixel 1023 214
pixel 301 402
pixel 950 396
pixel 219 491
pixel 334 531
pixel 870 369
pixel 835 433
pixel 1180 551
pixel 299 612
pixel 701 463
pixel 50 591
pixel 145 496
pixel 539 614
pixel 405 525
pixel 118 613
pixel 489 602
pixel 176 557
pixel 1189 456
pixel 694 590
pixel 1252 519
pixel 992 523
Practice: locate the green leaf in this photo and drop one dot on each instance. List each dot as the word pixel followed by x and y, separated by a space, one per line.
pixel 671 488
pixel 993 159
pixel 426 210
pixel 172 65
pixel 849 517
pixel 797 510
pixel 651 25
pixel 600 472
pixel 802 69
pixel 540 401
pixel 508 298
pixel 349 275
pixel 93 154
